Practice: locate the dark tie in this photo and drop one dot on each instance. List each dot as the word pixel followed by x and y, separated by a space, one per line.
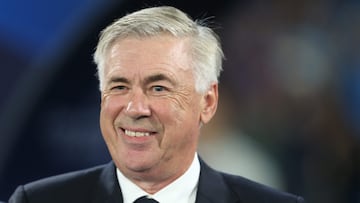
pixel 145 199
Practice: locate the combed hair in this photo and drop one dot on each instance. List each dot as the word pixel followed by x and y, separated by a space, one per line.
pixel 205 49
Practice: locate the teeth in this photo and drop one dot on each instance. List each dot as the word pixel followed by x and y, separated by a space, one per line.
pixel 136 134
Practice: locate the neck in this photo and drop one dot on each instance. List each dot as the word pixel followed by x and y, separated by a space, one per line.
pixel 152 181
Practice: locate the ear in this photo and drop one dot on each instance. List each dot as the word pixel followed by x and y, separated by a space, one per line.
pixel 209 102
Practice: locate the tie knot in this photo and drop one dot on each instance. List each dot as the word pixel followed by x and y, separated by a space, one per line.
pixel 145 199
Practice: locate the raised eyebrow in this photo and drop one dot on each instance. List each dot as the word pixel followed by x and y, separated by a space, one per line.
pixel 158 77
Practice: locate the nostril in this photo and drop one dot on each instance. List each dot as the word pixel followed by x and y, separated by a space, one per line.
pixel 142 116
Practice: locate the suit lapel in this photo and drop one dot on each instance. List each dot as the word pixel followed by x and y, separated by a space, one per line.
pixel 212 188
pixel 108 189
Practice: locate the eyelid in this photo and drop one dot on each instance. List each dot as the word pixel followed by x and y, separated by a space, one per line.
pixel 118 87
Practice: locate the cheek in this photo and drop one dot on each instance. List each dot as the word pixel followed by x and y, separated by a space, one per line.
pixel 186 106
pixel 176 109
pixel 179 110
pixel 181 121
pixel 110 106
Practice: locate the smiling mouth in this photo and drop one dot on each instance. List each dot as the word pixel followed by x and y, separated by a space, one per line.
pixel 136 133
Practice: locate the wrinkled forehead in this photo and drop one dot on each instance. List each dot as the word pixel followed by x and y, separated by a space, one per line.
pixel 163 50
pixel 132 56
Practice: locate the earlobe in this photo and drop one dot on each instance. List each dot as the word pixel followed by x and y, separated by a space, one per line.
pixel 209 103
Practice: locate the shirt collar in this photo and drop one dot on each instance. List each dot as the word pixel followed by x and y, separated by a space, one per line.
pixel 182 190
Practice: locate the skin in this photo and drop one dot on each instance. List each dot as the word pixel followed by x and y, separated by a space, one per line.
pixel 149 88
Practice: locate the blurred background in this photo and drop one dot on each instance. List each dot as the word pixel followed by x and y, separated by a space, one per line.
pixel 289 113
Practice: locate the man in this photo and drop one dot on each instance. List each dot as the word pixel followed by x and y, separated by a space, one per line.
pixel 158 73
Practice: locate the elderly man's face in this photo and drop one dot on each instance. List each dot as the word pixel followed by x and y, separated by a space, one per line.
pixel 150 112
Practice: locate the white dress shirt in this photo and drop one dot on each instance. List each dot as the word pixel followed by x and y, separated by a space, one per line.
pixel 182 190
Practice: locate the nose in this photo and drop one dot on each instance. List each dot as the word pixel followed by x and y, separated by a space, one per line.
pixel 137 106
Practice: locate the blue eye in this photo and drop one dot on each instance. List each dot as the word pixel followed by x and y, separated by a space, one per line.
pixel 158 88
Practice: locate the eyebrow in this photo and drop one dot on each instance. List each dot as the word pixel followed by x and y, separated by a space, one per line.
pixel 118 80
pixel 148 80
pixel 158 77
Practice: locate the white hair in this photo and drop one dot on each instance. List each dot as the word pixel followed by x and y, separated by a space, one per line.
pixel 205 48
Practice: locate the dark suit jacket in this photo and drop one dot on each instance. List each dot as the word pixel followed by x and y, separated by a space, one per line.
pixel 99 185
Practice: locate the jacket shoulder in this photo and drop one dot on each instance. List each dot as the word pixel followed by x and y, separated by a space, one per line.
pixel 75 186
pixel 255 192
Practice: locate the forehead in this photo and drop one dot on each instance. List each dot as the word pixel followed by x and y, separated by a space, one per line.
pixel 164 51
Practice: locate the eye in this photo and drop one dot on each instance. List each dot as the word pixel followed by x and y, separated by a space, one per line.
pixel 119 87
pixel 158 88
